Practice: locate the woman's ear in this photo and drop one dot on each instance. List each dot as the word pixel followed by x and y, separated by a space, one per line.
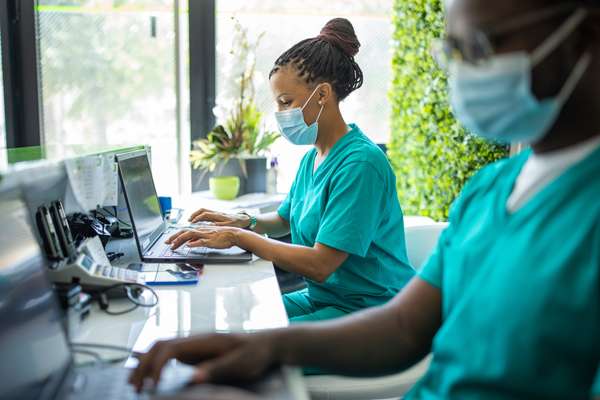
pixel 325 93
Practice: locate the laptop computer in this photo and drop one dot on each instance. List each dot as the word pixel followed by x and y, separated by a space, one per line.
pixel 149 226
pixel 37 361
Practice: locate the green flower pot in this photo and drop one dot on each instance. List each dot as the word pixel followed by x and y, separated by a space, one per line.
pixel 224 187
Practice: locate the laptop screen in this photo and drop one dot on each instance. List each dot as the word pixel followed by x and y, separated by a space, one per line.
pixel 141 196
pixel 34 349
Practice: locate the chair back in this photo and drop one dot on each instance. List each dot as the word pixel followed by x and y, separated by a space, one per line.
pixel 421 241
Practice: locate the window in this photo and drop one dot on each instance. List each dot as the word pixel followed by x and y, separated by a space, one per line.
pixel 108 77
pixel 286 23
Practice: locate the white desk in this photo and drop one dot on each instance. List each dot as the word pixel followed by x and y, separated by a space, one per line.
pixel 228 298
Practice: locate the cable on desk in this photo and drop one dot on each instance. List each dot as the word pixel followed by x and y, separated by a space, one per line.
pixel 99 360
pixel 132 291
pixel 104 347
pixel 93 354
pixel 77 346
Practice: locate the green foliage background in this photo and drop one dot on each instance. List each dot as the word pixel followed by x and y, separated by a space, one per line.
pixel 432 155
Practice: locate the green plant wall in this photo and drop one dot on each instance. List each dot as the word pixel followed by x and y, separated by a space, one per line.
pixel 432 155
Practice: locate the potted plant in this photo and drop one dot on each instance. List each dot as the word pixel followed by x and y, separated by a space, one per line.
pixel 233 151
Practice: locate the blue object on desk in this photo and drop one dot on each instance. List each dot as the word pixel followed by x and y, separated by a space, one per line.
pixel 171 277
pixel 166 203
pixel 174 215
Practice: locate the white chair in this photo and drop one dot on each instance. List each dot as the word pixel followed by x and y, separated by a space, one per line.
pixel 420 242
pixel 412 220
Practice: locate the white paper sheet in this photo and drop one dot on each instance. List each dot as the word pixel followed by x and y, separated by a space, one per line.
pixel 93 180
pixel 111 177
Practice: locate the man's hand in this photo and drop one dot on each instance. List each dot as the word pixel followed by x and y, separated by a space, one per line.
pixel 220 358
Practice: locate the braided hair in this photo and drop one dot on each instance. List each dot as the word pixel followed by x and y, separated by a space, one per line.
pixel 328 57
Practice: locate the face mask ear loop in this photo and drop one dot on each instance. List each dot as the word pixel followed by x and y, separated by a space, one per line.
pixel 558 36
pixel 310 97
pixel 319 114
pixel 578 72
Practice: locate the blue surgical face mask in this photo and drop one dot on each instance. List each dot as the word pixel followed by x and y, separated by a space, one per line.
pixel 294 128
pixel 495 100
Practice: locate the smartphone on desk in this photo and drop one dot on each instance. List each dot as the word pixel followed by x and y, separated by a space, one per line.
pixel 171 276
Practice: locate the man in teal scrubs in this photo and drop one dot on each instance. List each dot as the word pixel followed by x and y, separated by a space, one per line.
pixel 509 302
pixel 349 203
pixel 521 290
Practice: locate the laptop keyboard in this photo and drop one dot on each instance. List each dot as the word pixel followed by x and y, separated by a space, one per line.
pixel 161 249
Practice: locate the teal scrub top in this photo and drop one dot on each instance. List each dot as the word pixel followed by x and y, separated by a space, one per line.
pixel 350 204
pixel 520 291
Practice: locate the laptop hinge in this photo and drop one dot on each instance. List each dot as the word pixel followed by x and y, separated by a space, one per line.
pixel 163 228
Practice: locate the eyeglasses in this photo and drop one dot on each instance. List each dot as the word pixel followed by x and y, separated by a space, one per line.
pixel 479 49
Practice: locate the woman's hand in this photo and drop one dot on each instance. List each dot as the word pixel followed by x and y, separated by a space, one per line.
pixel 214 237
pixel 220 358
pixel 220 219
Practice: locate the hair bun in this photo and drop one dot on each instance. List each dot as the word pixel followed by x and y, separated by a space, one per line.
pixel 340 32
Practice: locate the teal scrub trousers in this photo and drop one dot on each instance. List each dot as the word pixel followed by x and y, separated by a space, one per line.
pixel 300 308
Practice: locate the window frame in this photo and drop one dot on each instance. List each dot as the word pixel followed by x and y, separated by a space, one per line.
pixel 20 73
pixel 20 55
pixel 202 24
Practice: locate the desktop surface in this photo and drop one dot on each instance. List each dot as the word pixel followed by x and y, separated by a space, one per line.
pixel 236 297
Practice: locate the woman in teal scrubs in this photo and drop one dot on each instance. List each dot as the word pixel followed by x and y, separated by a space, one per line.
pixel 509 302
pixel 342 210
